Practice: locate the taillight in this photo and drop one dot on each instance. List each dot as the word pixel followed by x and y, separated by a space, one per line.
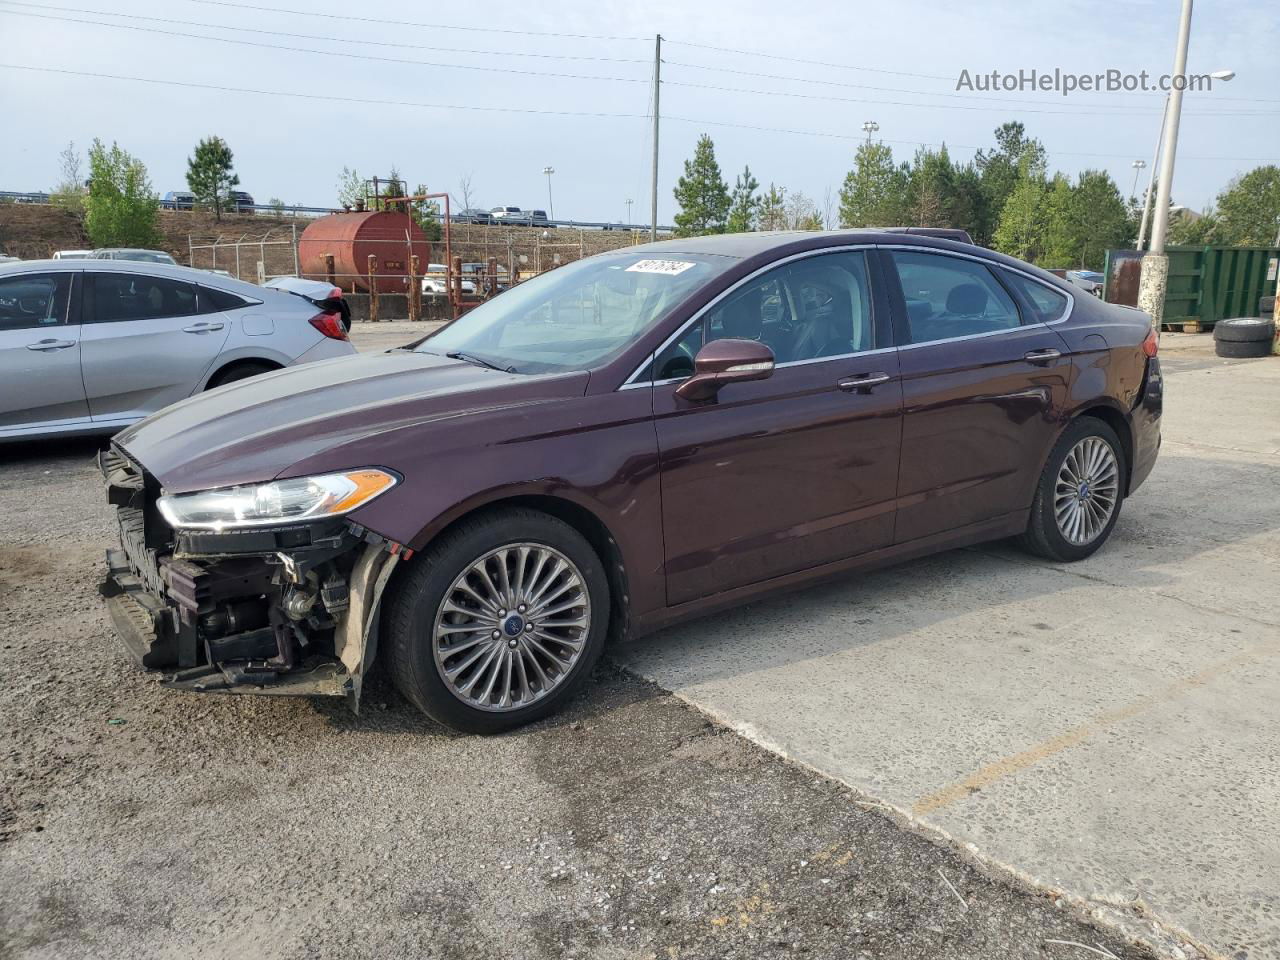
pixel 1151 345
pixel 330 324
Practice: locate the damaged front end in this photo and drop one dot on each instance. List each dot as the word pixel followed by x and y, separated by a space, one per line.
pixel 272 609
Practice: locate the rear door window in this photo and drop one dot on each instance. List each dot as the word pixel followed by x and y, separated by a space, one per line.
pixel 950 297
pixel 128 296
pixel 34 300
pixel 215 301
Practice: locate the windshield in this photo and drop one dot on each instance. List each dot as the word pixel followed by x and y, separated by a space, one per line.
pixel 575 317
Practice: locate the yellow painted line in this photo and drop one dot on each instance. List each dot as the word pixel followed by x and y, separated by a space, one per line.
pixel 1008 766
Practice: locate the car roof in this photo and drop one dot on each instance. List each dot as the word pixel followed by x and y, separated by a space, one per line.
pixel 189 274
pixel 780 243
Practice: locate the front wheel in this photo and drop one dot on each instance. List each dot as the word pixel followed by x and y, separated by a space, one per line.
pixel 497 623
pixel 1077 501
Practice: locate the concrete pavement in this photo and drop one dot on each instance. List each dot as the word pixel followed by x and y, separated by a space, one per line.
pixel 1108 729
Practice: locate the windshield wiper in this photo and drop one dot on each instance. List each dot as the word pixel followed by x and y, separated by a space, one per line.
pixel 478 361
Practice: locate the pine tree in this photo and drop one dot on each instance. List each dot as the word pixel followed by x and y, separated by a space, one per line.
pixel 743 203
pixel 874 193
pixel 209 175
pixel 702 193
pixel 773 209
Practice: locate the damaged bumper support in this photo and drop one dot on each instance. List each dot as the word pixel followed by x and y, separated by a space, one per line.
pixel 288 610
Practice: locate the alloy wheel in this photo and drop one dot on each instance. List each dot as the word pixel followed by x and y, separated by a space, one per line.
pixel 512 627
pixel 1086 491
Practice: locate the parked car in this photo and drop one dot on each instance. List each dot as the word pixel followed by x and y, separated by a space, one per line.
pixel 538 218
pixel 479 271
pixel 73 255
pixel 130 253
pixel 511 215
pixel 435 282
pixel 627 441
pixel 943 233
pixel 178 200
pixel 90 346
pixel 32 198
pixel 1090 281
pixel 241 201
pixel 320 294
pixel 473 215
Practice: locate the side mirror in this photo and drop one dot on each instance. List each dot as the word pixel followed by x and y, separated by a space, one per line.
pixel 726 361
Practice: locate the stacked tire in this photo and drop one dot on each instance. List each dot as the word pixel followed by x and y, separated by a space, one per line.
pixel 1244 337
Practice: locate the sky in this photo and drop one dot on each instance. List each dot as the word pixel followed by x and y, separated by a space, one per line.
pixel 567 84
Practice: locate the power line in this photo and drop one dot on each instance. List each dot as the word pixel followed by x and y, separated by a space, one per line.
pixel 255 8
pixel 812 63
pixel 929 93
pixel 331 53
pixel 330 98
pixel 996 107
pixel 922 143
pixel 326 97
pixel 313 36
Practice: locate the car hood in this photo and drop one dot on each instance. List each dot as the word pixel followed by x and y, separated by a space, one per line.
pixel 252 431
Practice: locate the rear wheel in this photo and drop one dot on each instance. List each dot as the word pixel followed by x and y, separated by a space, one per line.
pixel 239 371
pixel 497 623
pixel 1078 498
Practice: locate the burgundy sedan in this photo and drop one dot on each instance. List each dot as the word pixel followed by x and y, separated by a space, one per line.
pixel 629 440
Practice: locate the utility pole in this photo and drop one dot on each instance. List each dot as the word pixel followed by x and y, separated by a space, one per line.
pixel 1151 183
pixel 1155 265
pixel 1137 169
pixel 629 203
pixel 551 207
pixel 653 185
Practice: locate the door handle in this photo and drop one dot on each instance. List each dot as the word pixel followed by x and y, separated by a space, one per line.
pixel 1042 356
pixel 864 381
pixel 202 328
pixel 49 345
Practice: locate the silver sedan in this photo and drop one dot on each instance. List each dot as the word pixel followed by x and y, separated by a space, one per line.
pixel 90 346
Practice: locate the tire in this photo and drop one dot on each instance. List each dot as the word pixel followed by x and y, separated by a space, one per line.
pixel 416 606
pixel 1244 330
pixel 1044 536
pixel 1242 351
pixel 239 371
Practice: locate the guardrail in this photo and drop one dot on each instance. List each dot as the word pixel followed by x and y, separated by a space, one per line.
pixel 288 209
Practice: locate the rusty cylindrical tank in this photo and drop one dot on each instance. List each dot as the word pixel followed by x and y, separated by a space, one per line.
pixel 351 238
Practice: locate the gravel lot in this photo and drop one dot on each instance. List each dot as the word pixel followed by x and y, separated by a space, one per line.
pixel 138 822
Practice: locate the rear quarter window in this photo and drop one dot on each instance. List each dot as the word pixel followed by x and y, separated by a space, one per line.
pixel 214 301
pixel 1047 303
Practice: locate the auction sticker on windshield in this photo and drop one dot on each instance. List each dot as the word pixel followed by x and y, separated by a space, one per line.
pixel 671 267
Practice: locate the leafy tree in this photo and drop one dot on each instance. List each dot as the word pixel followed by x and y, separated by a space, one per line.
pixel 874 193
pixel 69 193
pixel 743 203
pixel 209 175
pixel 277 206
pixel 1249 209
pixel 1020 231
pixel 1062 240
pixel 121 208
pixel 1099 219
pixel 350 187
pixel 773 209
pixel 702 193
pixel 1194 230
pixel 1002 169
pixel 802 213
pixel 969 210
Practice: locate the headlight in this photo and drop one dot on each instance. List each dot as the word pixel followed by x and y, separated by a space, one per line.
pixel 283 501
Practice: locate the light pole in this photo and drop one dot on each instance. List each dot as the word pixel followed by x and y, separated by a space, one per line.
pixel 551 207
pixel 1137 169
pixel 869 128
pixel 629 203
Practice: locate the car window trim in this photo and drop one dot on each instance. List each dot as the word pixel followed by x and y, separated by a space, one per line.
pixel 66 307
pixel 88 311
pixel 632 383
pixel 989 264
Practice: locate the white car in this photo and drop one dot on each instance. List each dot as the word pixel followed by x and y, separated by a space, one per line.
pixel 435 281
pixel 73 255
pixel 91 346
pixel 132 253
